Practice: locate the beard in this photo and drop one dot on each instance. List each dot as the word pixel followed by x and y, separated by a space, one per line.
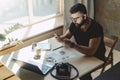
pixel 80 24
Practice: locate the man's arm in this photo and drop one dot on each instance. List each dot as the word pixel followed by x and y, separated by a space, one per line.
pixel 91 49
pixel 88 50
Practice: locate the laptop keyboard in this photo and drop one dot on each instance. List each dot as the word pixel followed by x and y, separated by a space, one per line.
pixel 45 69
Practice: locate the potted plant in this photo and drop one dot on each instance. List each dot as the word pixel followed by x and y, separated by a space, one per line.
pixel 2 37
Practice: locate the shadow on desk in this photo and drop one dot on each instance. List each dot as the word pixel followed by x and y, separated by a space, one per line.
pixel 111 74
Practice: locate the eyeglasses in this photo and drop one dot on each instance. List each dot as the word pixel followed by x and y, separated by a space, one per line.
pixel 75 19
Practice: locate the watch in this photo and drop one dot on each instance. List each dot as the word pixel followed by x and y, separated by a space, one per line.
pixel 72 45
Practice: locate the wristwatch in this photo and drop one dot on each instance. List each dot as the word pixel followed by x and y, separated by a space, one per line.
pixel 72 45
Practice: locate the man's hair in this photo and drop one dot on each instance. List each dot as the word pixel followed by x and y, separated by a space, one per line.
pixel 78 7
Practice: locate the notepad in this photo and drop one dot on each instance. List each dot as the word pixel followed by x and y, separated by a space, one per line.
pixel 44 46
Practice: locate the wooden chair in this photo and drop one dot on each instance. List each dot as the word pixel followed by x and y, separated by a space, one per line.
pixel 110 42
pixel 110 74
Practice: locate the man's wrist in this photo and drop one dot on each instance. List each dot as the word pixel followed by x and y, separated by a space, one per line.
pixel 72 45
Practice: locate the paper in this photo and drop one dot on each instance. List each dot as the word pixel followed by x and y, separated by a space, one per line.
pixel 44 46
pixel 59 55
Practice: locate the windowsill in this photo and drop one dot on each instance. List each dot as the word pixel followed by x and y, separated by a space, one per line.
pixel 34 33
pixel 34 29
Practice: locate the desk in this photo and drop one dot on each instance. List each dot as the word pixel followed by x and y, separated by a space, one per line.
pixel 16 68
pixel 42 66
pixel 111 74
pixel 83 63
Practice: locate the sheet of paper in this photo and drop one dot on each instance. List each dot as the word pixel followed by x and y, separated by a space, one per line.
pixel 44 46
pixel 60 55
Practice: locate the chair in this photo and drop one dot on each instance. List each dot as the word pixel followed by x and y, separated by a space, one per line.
pixel 110 74
pixel 109 42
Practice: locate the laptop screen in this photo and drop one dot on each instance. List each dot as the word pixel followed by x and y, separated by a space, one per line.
pixel 41 69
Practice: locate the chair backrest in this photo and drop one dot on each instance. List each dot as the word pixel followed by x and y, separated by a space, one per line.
pixel 111 42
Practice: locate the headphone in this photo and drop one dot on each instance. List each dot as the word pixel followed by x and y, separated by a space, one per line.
pixel 56 77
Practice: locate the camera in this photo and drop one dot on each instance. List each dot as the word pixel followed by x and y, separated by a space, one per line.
pixel 63 70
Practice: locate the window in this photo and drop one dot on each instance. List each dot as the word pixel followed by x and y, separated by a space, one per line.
pixel 26 11
pixel 17 16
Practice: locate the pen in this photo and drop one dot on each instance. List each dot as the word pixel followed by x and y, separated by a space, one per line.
pixel 57 48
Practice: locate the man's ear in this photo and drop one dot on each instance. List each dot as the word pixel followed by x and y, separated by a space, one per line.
pixel 84 16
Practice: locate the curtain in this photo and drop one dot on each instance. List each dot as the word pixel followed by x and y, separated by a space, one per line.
pixel 69 3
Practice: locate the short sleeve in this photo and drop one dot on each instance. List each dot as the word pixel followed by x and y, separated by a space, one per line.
pixel 97 31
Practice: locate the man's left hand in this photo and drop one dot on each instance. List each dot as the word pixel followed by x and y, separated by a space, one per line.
pixel 67 42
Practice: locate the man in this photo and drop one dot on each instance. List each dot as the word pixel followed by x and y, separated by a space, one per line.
pixel 88 35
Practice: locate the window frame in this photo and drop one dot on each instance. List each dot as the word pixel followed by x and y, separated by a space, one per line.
pixel 49 18
pixel 30 9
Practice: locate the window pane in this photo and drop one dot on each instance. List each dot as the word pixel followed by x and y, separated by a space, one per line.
pixel 11 10
pixel 15 14
pixel 45 7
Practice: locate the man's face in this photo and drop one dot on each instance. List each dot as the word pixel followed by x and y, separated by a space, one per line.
pixel 78 18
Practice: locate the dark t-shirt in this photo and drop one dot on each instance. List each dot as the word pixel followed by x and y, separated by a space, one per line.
pixel 82 38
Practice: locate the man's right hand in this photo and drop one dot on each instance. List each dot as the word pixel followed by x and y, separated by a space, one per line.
pixel 59 39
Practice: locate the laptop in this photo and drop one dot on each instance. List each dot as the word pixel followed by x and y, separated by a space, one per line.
pixel 45 68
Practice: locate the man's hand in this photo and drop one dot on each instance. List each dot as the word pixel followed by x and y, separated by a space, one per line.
pixel 67 42
pixel 59 39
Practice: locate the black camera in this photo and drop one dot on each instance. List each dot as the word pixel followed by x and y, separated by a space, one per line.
pixel 63 70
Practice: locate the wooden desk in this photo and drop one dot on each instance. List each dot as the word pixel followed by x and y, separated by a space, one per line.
pixel 83 63
pixel 6 74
